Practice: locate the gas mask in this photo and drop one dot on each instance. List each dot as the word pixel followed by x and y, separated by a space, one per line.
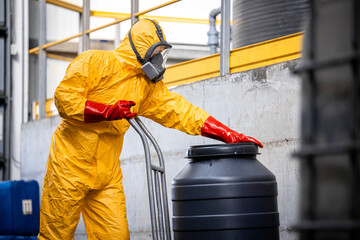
pixel 155 57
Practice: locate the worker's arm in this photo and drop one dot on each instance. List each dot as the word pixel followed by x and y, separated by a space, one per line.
pixel 71 94
pixel 172 110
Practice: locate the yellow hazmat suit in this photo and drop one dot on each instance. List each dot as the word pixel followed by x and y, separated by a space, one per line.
pixel 83 171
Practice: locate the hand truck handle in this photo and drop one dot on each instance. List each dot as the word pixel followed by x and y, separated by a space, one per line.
pixel 160 185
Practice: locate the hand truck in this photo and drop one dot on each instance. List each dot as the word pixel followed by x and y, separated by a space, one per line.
pixel 157 181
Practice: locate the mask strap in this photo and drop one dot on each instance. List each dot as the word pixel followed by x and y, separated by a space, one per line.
pixel 139 58
pixel 158 30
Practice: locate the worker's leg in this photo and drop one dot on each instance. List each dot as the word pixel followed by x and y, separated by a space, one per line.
pixel 60 204
pixel 104 211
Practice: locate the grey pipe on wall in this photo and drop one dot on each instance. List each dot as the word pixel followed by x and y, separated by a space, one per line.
pixel 213 34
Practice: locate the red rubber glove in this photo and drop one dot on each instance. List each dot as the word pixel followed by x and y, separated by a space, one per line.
pixel 96 112
pixel 216 130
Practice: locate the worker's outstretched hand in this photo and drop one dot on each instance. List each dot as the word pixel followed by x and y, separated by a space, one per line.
pixel 96 112
pixel 216 130
pixel 235 137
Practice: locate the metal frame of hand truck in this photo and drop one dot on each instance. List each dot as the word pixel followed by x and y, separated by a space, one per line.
pixel 157 181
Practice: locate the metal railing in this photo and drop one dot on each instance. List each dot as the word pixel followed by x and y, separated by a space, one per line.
pixel 85 14
pixel 106 14
pixel 47 45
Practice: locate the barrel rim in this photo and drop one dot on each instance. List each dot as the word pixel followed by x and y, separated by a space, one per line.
pixel 216 150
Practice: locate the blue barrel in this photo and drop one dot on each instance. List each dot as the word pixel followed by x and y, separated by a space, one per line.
pixel 19 208
pixel 12 237
pixel 225 193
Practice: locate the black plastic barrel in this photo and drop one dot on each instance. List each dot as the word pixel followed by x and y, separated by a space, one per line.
pixel 225 193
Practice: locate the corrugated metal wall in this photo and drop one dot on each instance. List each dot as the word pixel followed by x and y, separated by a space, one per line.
pixel 260 20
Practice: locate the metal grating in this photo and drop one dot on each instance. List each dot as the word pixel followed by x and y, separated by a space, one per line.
pixel 330 169
pixel 4 89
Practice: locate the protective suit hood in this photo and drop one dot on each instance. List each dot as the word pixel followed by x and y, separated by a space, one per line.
pixel 143 34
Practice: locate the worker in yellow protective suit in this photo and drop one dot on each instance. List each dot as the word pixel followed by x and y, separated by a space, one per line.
pixel 100 90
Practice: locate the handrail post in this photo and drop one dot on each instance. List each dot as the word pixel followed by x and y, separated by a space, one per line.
pixel 225 38
pixel 42 60
pixel 84 41
pixel 134 10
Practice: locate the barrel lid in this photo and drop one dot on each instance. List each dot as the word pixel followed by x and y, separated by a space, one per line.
pixel 246 148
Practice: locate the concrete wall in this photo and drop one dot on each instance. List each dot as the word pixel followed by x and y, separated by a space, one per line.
pixel 263 103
